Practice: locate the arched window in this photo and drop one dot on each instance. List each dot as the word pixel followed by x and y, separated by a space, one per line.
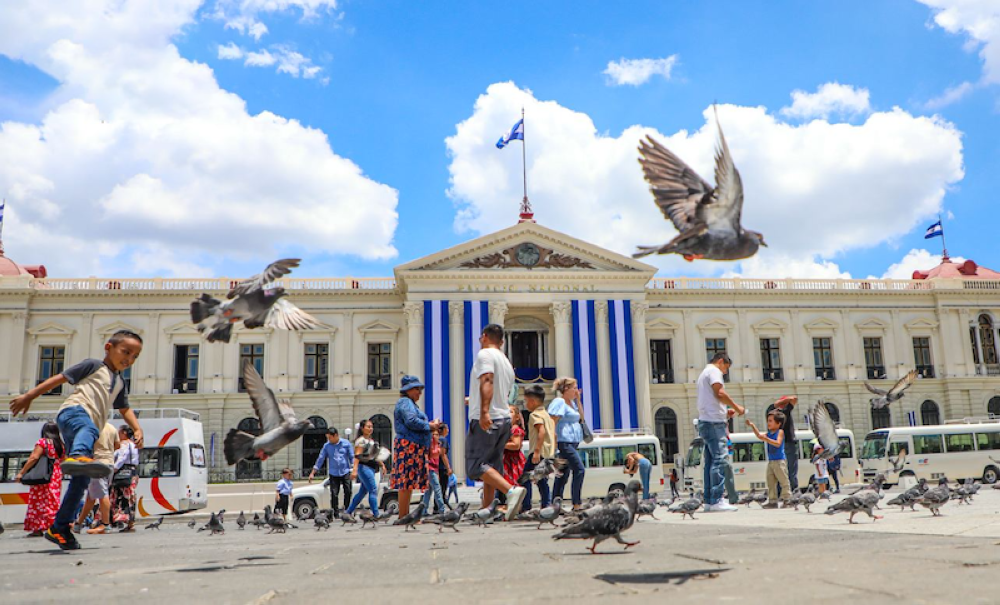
pixel 319 423
pixel 382 430
pixel 881 418
pixel 993 407
pixel 248 470
pixel 987 339
pixel 834 412
pixel 312 444
pixel 929 413
pixel 666 432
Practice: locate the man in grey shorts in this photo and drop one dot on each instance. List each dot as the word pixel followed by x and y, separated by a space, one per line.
pixel 491 381
pixel 99 489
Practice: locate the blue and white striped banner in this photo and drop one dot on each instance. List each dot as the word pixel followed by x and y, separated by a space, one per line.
pixel 622 366
pixel 437 381
pixel 585 361
pixel 912 417
pixel 477 317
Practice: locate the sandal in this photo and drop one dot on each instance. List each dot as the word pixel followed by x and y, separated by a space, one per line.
pixel 35 534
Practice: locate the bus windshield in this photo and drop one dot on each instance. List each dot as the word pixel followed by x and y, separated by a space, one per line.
pixel 694 454
pixel 874 446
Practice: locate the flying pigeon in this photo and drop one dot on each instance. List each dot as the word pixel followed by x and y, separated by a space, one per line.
pixel 451 518
pixel 485 515
pixel 934 499
pixel 548 466
pixel 884 398
pixel 344 517
pixel 367 517
pixel 707 218
pixel 687 508
pixel 411 519
pixel 609 522
pixel 825 430
pixel 550 513
pixel 155 524
pixel 279 425
pixel 249 302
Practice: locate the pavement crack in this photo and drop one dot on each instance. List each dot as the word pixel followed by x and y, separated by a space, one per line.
pixel 703 559
pixel 863 589
pixel 321 568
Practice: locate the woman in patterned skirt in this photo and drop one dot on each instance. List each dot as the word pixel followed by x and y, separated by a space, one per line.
pixel 409 448
pixel 43 500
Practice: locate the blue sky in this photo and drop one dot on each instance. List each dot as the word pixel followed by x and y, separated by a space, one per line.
pixel 396 78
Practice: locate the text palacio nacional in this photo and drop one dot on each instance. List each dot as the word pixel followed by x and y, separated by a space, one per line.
pixel 635 342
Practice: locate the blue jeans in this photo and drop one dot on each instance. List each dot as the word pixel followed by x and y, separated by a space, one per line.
pixel 543 488
pixel 78 434
pixel 433 488
pixel 713 436
pixel 366 476
pixel 730 481
pixel 645 466
pixel 567 451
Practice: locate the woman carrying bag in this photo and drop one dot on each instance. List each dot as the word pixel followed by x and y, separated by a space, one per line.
pixel 43 473
pixel 125 480
pixel 568 416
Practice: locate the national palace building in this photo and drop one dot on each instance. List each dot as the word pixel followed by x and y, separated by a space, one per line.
pixel 635 342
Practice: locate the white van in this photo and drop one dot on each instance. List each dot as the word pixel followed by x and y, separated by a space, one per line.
pixel 750 461
pixel 604 460
pixel 958 450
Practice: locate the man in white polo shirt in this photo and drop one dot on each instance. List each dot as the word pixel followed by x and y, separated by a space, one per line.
pixel 712 402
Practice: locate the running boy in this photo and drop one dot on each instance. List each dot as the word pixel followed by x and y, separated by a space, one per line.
pixel 98 388
pixel 777 469
pixel 541 440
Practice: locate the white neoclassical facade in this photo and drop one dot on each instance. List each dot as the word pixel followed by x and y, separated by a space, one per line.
pixel 636 343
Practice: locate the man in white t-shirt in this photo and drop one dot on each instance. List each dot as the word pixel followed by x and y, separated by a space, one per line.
pixel 712 403
pixel 490 383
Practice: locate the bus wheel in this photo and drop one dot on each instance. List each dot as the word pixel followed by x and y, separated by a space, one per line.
pixel 990 475
pixel 304 508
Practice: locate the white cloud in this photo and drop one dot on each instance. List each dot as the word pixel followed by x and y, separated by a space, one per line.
pixel 830 99
pixel 244 15
pixel 142 152
pixel 230 52
pixel 260 58
pixel 287 60
pixel 980 21
pixel 816 190
pixel 952 95
pixel 633 72
pixel 916 259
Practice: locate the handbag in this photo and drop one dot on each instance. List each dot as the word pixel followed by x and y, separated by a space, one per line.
pixel 123 477
pixel 588 435
pixel 41 473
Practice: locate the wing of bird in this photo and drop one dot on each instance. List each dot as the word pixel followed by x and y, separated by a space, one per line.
pixel 902 384
pixel 726 205
pixel 286 316
pixel 824 428
pixel 676 187
pixel 875 391
pixel 278 268
pixel 264 404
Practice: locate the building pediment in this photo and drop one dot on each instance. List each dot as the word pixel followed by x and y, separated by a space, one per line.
pixel 716 324
pixel 182 328
pixel 661 325
pixel 51 328
pixel 921 323
pixel 822 325
pixel 871 323
pixel 379 327
pixel 769 325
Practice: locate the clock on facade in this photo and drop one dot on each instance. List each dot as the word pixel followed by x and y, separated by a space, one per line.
pixel 528 255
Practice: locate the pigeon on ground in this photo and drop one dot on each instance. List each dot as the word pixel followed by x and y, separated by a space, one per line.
pixel 647 508
pixel 277 524
pixel 192 523
pixel 909 497
pixel 155 524
pixel 550 513
pixel 241 521
pixel 760 499
pixel 884 398
pixel 214 525
pixel 609 522
pixel 451 518
pixel 279 426
pixel 825 429
pixel 344 517
pixel 411 519
pixel 548 466
pixel 252 304
pixel 854 505
pixel 367 517
pixel 934 499
pixel 485 516
pixel 707 218
pixel 963 493
pixel 257 521
pixel 321 522
pixel 806 500
pixel 530 515
pixel 687 508
pixel 747 498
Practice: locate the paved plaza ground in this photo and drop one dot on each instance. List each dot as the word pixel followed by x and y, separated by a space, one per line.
pixel 753 556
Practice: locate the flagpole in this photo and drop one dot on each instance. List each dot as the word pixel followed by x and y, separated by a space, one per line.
pixel 526 214
pixel 944 245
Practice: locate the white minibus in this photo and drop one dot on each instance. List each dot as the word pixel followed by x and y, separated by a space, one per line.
pixel 959 450
pixel 604 461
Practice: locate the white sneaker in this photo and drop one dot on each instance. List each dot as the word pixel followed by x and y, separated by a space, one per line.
pixel 724 507
pixel 515 497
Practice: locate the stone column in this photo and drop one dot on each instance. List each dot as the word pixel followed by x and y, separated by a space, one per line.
pixel 793 331
pixel 845 366
pixel 459 414
pixel 562 313
pixel 640 355
pixel 348 354
pixel 693 366
pixel 498 312
pixel 899 333
pixel 152 360
pixel 414 312
pixel 746 363
pixel 603 338
pixel 978 344
pixel 18 322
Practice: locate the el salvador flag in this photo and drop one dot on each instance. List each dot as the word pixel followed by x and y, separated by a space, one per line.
pixel 516 133
pixel 935 230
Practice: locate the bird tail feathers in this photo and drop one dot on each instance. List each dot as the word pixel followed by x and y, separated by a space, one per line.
pixel 203 307
pixel 237 446
pixel 646 251
pixel 222 334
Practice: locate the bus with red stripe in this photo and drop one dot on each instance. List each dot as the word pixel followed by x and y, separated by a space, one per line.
pixel 173 473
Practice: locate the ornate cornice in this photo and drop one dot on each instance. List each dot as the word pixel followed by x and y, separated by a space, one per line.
pixel 540 258
pixel 562 311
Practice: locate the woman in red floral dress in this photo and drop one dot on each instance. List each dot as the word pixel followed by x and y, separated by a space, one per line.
pixel 513 457
pixel 43 500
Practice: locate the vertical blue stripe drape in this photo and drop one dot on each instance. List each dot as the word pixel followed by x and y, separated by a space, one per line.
pixel 585 360
pixel 622 365
pixel 437 394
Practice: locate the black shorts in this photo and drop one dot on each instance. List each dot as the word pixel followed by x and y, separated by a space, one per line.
pixel 282 505
pixel 484 450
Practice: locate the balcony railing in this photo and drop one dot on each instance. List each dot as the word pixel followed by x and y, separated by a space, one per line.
pixel 218 284
pixel 789 284
pixel 876 372
pixel 184 385
pixel 775 375
pixel 988 369
pixel 315 384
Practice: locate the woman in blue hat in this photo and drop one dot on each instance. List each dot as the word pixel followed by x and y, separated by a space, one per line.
pixel 411 444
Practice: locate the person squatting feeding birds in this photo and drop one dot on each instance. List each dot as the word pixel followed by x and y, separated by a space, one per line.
pixel 98 388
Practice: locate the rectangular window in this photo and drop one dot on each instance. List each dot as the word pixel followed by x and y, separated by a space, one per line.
pixel 127 379
pixel 712 347
pixel 749 452
pixel 254 353
pixel 51 361
pixel 661 362
pixel 159 462
pixel 922 356
pixel 11 463
pixel 962 442
pixel 315 376
pixel 379 365
pixel 591 457
pixel 898 447
pixel 197 455
pixel 927 444
pixel 649 451
pixel 823 358
pixel 874 362
pixel 770 360
pixel 846 451
pixel 614 456
pixel 185 368
pixel 988 441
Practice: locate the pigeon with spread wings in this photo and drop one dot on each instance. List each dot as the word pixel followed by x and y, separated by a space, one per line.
pixel 251 302
pixel 884 398
pixel 279 426
pixel 825 429
pixel 707 218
